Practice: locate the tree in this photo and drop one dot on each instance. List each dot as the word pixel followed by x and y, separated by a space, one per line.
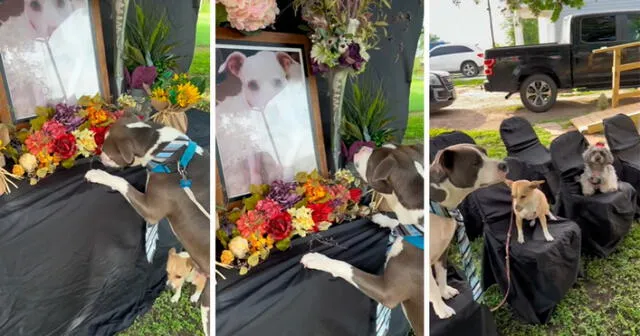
pixel 536 6
pixel 433 38
pixel 529 30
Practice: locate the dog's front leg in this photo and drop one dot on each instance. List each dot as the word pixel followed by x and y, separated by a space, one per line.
pixel 610 180
pixel 176 296
pixel 439 307
pixel 545 229
pixel 519 228
pixel 385 221
pixel 137 199
pixel 587 187
pixel 446 291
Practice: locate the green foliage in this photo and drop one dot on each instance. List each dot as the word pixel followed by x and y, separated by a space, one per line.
pixel 529 30
pixel 433 38
pixel 147 42
pixel 365 115
pixel 284 244
pixel 536 6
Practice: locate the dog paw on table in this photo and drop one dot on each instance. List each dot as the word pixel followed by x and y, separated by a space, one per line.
pixel 100 176
pixel 321 262
pixel 443 311
pixel 449 292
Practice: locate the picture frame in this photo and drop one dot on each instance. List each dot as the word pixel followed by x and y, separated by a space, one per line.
pixel 83 13
pixel 270 49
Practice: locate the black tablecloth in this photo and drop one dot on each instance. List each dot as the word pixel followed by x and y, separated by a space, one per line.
pixel 73 256
pixel 281 298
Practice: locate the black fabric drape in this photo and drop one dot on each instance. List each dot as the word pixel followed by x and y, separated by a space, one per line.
pixel 280 297
pixel 541 272
pixel 73 256
pixel 624 143
pixel 532 159
pixel 604 218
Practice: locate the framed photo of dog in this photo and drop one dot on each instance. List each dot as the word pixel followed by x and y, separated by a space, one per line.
pixel 268 123
pixel 50 51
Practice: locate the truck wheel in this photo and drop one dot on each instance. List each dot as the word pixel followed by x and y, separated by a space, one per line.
pixel 469 69
pixel 538 93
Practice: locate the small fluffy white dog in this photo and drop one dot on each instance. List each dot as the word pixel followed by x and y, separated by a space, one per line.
pixel 599 173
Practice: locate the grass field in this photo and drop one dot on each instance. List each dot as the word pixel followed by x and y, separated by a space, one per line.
pixel 416 96
pixel 201 61
pixel 604 302
pixel 459 82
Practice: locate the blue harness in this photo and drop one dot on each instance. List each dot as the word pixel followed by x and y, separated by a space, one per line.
pixel 412 234
pixel 160 162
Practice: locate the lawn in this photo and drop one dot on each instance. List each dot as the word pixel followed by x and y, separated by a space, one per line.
pixel 415 129
pixel 459 82
pixel 604 302
pixel 201 61
pixel 416 96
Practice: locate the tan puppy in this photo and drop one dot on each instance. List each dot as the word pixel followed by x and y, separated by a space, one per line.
pixel 181 269
pixel 530 203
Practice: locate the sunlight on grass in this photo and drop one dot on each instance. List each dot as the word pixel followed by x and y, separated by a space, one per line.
pixel 416 96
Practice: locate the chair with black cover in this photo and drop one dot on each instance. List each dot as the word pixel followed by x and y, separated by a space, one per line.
pixel 624 143
pixel 541 272
pixel 605 218
pixel 532 160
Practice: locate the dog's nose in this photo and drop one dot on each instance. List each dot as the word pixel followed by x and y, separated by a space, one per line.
pixel 502 167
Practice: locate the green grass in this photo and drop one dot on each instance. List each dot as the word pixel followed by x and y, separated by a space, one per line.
pixel 605 302
pixel 415 129
pixel 201 61
pixel 459 82
pixel 416 96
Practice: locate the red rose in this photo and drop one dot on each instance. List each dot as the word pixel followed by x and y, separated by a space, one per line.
pixel 320 213
pixel 99 137
pixel 279 226
pixel 355 194
pixel 65 146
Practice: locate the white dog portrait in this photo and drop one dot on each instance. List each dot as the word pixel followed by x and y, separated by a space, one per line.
pixel 47 53
pixel 264 120
pixel 599 173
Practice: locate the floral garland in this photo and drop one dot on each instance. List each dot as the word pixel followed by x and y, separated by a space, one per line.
pixel 342 31
pixel 60 134
pixel 274 214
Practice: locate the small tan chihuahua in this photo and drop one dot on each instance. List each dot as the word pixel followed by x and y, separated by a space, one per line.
pixel 181 269
pixel 530 203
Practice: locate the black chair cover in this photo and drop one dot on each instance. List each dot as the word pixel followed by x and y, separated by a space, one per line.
pixel 541 272
pixel 470 318
pixel 604 218
pixel 624 142
pixel 533 159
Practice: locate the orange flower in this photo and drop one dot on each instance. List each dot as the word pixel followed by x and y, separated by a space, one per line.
pixel 314 193
pixel 97 116
pixel 227 257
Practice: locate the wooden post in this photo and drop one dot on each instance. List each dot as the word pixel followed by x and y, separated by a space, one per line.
pixel 616 70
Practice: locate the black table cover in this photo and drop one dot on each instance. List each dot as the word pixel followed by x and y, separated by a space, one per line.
pixel 604 218
pixel 624 143
pixel 73 256
pixel 281 297
pixel 541 272
pixel 532 158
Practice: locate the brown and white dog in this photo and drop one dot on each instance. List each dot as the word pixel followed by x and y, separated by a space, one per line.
pixel 455 172
pixel 132 142
pixel 397 173
pixel 530 203
pixel 181 270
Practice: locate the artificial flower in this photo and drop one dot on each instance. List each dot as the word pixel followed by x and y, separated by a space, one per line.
pixel 355 194
pixel 317 67
pixel 126 100
pixel 38 142
pixel 67 115
pixel 344 176
pixel 314 192
pixel 54 129
pixel 320 214
pixel 28 161
pixel 47 160
pixel 322 54
pixel 65 146
pixel 97 116
pixel 251 222
pixel 302 221
pixel 226 257
pixel 250 15
pixel 258 242
pixel 279 227
pixel 188 95
pixel 269 208
pixel 352 57
pixel 85 140
pixel 98 137
pixel 239 246
pixel 18 170
pixel 160 94
pixel 284 193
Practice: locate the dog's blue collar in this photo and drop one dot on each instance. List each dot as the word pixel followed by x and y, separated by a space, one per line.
pixel 412 234
pixel 160 163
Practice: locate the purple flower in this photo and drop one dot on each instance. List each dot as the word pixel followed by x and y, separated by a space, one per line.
pixel 284 193
pixel 352 58
pixel 143 75
pixel 317 68
pixel 67 116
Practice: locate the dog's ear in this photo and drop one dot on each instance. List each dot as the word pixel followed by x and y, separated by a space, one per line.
pixel 125 148
pixel 285 61
pixel 380 176
pixel 233 63
pixel 536 184
pixel 608 156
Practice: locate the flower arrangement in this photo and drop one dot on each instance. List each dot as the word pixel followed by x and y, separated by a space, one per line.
pixel 247 15
pixel 59 135
pixel 342 31
pixel 171 95
pixel 276 213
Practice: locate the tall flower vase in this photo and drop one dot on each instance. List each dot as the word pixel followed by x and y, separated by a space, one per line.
pixel 337 84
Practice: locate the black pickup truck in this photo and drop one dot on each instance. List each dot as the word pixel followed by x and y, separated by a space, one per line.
pixel 538 71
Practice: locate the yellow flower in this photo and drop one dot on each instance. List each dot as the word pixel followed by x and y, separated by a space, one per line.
pixel 126 101
pixel 314 192
pixel 17 170
pixel 176 77
pixel 227 257
pixel 85 141
pixel 96 116
pixel 29 162
pixel 301 220
pixel 160 94
pixel 188 95
pixel 239 247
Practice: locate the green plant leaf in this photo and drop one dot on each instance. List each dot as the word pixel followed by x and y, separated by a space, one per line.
pixel 221 14
pixel 254 259
pixel 284 244
pixel 42 172
pixel 68 163
pixel 243 270
pixel 223 238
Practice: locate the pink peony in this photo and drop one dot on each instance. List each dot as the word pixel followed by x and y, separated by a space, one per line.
pixel 54 129
pixel 250 15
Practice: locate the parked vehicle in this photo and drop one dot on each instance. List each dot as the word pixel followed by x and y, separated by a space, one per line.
pixel 539 71
pixel 456 58
pixel 442 93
